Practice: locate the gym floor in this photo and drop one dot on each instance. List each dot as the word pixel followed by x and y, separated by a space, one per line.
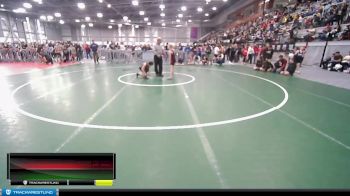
pixel 210 127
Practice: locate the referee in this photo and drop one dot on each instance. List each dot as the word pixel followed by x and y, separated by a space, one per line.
pixel 158 59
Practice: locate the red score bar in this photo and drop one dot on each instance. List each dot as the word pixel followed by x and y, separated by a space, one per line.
pixel 63 165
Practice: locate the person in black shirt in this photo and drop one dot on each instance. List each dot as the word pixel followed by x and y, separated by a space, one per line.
pixel 267 53
pixel 94 48
pixel 46 58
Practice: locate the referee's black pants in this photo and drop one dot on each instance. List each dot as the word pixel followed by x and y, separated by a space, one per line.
pixel 158 65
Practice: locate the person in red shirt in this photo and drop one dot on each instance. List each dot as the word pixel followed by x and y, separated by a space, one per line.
pixel 172 61
pixel 245 53
pixel 280 65
pixel 256 52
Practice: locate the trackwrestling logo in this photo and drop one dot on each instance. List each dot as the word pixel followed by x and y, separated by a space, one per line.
pixel 29 192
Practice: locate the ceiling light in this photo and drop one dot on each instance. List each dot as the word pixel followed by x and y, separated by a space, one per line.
pixel 190 20
pixel 125 18
pixel 142 13
pixel 206 14
pixel 183 8
pixel 109 5
pixel 110 27
pixel 180 15
pixel 27 5
pixel 111 20
pixel 178 20
pixel 2 5
pixel 19 10
pixel 42 17
pixel 146 19
pixel 214 8
pixel 57 15
pixel 83 26
pixel 77 20
pixel 91 25
pixel 61 22
pixel 224 0
pixel 87 18
pixel 162 6
pixel 137 26
pixel 81 5
pixel 120 25
pixel 135 3
pixel 38 1
pixel 101 1
pixel 49 17
pixel 100 15
pixel 163 24
pixel 162 14
pixel 149 23
pixel 200 9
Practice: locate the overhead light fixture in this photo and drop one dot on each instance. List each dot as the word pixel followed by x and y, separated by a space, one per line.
pixel 81 5
pixel 2 5
pixel 42 17
pixel 100 15
pixel 61 21
pixel 149 23
pixel 190 20
pixel 135 3
pixel 125 18
pixel 183 8
pixel 137 26
pixel 162 6
pixel 163 24
pixel 142 13
pixel 83 26
pixel 178 26
pixel 180 15
pixel 162 14
pixel 178 20
pixel 111 20
pixel 91 24
pixel 110 27
pixel 146 19
pixel 120 25
pixel 101 1
pixel 77 20
pixel 87 18
pixel 206 14
pixel 38 1
pixel 49 17
pixel 109 5
pixel 200 9
pixel 224 0
pixel 19 10
pixel 27 5
pixel 58 15
pixel 214 8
